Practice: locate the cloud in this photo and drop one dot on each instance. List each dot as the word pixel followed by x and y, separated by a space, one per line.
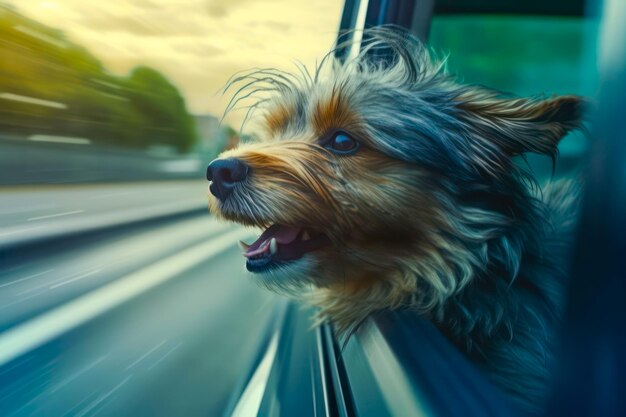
pixel 146 4
pixel 273 24
pixel 157 21
pixel 221 8
pixel 129 24
pixel 193 46
pixel 197 44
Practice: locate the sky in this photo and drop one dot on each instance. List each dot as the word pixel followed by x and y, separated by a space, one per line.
pixel 197 44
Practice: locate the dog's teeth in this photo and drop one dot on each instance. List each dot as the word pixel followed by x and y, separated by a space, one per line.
pixel 305 235
pixel 243 245
pixel 273 246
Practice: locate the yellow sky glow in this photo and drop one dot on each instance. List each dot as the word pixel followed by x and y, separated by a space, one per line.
pixel 197 44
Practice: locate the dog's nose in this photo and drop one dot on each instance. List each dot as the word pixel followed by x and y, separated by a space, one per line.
pixel 224 174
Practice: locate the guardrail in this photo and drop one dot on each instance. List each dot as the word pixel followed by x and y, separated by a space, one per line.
pixel 34 215
pixel 45 162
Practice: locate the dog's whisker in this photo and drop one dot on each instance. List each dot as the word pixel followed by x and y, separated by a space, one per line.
pixel 237 97
pixel 388 184
pixel 251 109
pixel 236 78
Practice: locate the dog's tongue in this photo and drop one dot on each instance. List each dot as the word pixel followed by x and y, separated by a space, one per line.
pixel 283 234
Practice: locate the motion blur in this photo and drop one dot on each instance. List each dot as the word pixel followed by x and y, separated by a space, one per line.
pixel 122 296
pixel 119 294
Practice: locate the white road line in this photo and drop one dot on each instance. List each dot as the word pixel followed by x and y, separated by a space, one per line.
pixel 50 216
pixel 17 364
pixel 71 278
pixel 168 353
pixel 77 374
pixel 103 397
pixel 145 355
pixel 40 389
pixel 21 300
pixel 6 284
pixel 29 335
pixel 76 278
pixel 71 411
pixel 12 232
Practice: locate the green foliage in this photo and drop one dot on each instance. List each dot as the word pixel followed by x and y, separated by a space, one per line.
pixel 152 94
pixel 525 55
pixel 138 111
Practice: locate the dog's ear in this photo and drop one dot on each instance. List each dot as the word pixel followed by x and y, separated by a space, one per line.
pixel 518 125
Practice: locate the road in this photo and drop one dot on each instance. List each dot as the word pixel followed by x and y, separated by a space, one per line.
pixel 153 318
pixel 44 159
pixel 31 213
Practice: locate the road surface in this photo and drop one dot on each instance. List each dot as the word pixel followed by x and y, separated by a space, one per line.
pixel 149 319
pixel 31 213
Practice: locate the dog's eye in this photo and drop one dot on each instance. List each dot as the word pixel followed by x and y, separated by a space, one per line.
pixel 342 144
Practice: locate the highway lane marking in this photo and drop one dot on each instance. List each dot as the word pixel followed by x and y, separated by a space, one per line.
pixel 34 381
pixel 34 399
pixel 21 300
pixel 50 216
pixel 103 397
pixel 6 284
pixel 95 221
pixel 22 230
pixel 145 355
pixel 59 283
pixel 17 364
pixel 40 389
pixel 85 400
pixel 76 278
pixel 209 230
pixel 168 353
pixel 77 374
pixel 29 335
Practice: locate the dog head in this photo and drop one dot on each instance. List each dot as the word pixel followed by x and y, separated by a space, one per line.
pixel 382 179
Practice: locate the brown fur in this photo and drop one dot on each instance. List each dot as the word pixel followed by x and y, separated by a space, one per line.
pixel 431 213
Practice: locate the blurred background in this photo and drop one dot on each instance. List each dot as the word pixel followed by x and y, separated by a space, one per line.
pixel 119 294
pixel 109 114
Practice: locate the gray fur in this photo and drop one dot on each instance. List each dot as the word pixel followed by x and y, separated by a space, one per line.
pixel 495 282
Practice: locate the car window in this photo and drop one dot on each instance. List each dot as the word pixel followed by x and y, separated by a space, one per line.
pixel 524 55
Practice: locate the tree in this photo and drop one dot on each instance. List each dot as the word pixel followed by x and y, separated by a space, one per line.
pixel 163 107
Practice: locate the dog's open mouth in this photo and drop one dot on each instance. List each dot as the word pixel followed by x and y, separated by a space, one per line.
pixel 280 244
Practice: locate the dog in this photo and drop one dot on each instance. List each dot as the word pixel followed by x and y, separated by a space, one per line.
pixel 388 185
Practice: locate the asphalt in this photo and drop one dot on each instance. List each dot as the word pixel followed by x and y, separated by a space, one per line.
pixel 150 319
pixel 33 213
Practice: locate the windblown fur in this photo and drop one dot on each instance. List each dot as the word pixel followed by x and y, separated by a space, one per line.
pixel 431 214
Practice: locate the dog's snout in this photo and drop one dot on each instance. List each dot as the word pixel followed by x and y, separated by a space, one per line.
pixel 224 174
